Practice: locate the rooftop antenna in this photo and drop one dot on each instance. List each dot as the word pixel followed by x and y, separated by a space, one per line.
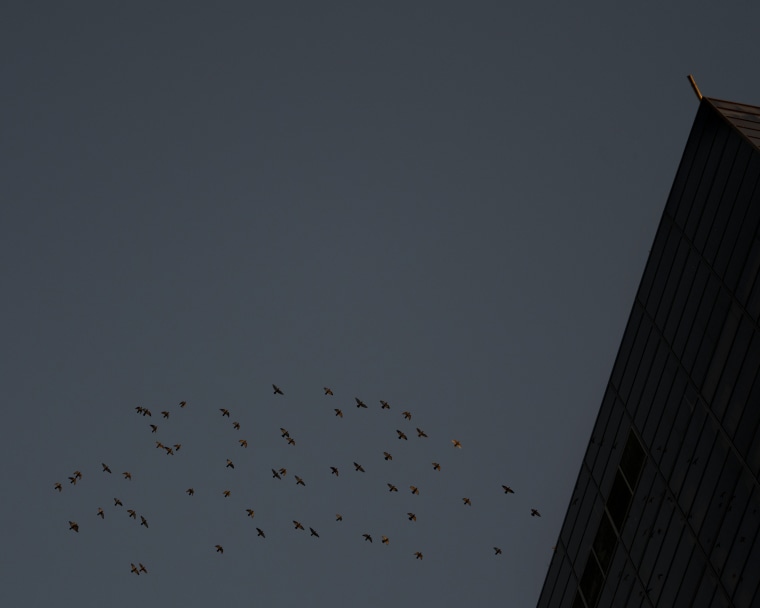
pixel 695 87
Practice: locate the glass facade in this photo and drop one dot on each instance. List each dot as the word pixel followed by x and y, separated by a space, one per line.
pixel 666 509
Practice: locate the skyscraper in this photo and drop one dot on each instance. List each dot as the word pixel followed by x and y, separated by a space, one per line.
pixel 666 508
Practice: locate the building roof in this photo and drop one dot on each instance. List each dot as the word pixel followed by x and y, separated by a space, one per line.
pixel 745 118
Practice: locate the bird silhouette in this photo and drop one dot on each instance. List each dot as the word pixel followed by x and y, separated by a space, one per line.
pixel 284 432
pixel 412 517
pixel 182 403
pixel 421 433
pixel 367 537
pixel 105 467
pixel 384 539
pixel 358 467
pixel 139 409
pixel 400 434
pixel 467 502
pixel 260 532
pixel 250 512
pixel 384 405
pixel 283 472
pixel 407 415
pixel 226 493
pixel 414 490
pixel 78 474
pixel 314 532
pixel 101 514
pixel 299 481
pixel 229 464
pixel 236 426
pixel 169 451
pixel 338 517
pixel 436 466
pixel 507 490
pixel 360 403
pixel 132 513
pixel 58 487
pixel 392 488
pixel 219 548
pixel 291 441
pixel 243 443
pixel 387 456
pixel 127 475
pixel 117 503
pixel 275 474
pixel 298 525
pixel 418 554
pixel 328 391
pixel 334 471
pixel 456 443
pixel 534 513
pixel 143 569
pixel 497 551
pixel 154 428
pixel 190 491
pixel 160 445
pixel 73 480
pixel 177 446
pixel 135 570
pixel 146 412
pixel 74 526
pixel 225 412
pixel 277 390
pixel 338 413
pixel 143 521
pixel 165 414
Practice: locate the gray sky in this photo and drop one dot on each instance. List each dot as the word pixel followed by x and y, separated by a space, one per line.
pixel 447 206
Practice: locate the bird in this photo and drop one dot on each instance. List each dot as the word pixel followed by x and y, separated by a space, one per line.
pixel 276 474
pixel 283 472
pixel 385 540
pixel 534 513
pixel 73 480
pixel 277 390
pixel 360 403
pixel 160 445
pixel 154 428
pixel 392 488
pixel 143 569
pixel 358 467
pixel 146 412
pixel 243 443
pixel 182 403
pixel 177 446
pixel 328 391
pixel 135 570
pixel 338 517
pixel 418 554
pixel 236 426
pixel 467 502
pixel 339 412
pixel 229 464
pixel 169 451
pixel 139 409
pixel 190 491
pixel 101 514
pixel 436 466
pixel 414 490
pixel 219 548
pixel 387 456
pixel 226 493
pixel 291 441
pixel 250 512
pixel 117 503
pixel 105 467
pixel 132 513
pixel 78 474
pixel 284 432
pixel 143 522
pixel 421 433
pixel 260 532
pixel 165 414
pixel 367 537
pixel 456 443
pixel 225 412
pixel 334 471
pixel 507 489
pixel 58 487
pixel 412 517
pixel 299 481
pixel 400 434
pixel 298 525
pixel 497 551
pixel 407 415
pixel 127 475
pixel 74 526
pixel 384 405
pixel 314 532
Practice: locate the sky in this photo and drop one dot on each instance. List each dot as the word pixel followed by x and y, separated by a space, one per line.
pixel 446 206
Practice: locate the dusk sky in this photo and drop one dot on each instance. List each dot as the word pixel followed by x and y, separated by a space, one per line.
pixel 444 205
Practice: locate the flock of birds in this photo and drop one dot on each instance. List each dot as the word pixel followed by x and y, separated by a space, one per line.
pixel 278 474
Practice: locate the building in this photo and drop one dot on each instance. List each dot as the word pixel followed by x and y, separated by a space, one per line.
pixel 666 509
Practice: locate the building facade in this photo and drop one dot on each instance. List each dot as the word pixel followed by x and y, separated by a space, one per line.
pixel 666 509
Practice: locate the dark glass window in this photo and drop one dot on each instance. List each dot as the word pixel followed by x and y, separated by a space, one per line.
pixel 591 581
pixel 605 543
pixel 619 500
pixel 686 455
pixel 687 586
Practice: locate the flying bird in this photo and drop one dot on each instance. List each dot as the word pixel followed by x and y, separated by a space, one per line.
pixel 117 503
pixel 225 412
pixel 190 491
pixel 277 390
pixel 154 428
pixel 334 471
pixel 328 391
pixel 407 415
pixel 169 451
pixel 467 502
pixel 299 481
pixel 418 554
pixel 101 514
pixel 385 540
pixel 507 489
pixel 284 432
pixel 456 443
pixel 219 548
pixel 182 403
pixel 236 426
pixel 260 532
pixel 414 490
pixel 358 467
pixel 384 405
pixel 243 443
pixel 165 414
pixel 229 464
pixel 276 474
pixel 127 475
pixel 146 412
pixel 74 526
pixel 401 435
pixel 338 412
pixel 250 512
pixel 177 446
pixel 387 456
pixel 78 474
pixel 143 569
pixel 134 569
pixel 360 403
pixel 58 487
pixel 160 445
pixel 412 517
pixel 291 441
pixel 497 551
pixel 367 537
pixel 143 521
pixel 338 517
pixel 534 513
pixel 436 466
pixel 392 488
pixel 298 525
pixel 73 480
pixel 132 513
pixel 226 493
pixel 283 472
pixel 105 467
pixel 314 532
pixel 139 409
pixel 421 433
